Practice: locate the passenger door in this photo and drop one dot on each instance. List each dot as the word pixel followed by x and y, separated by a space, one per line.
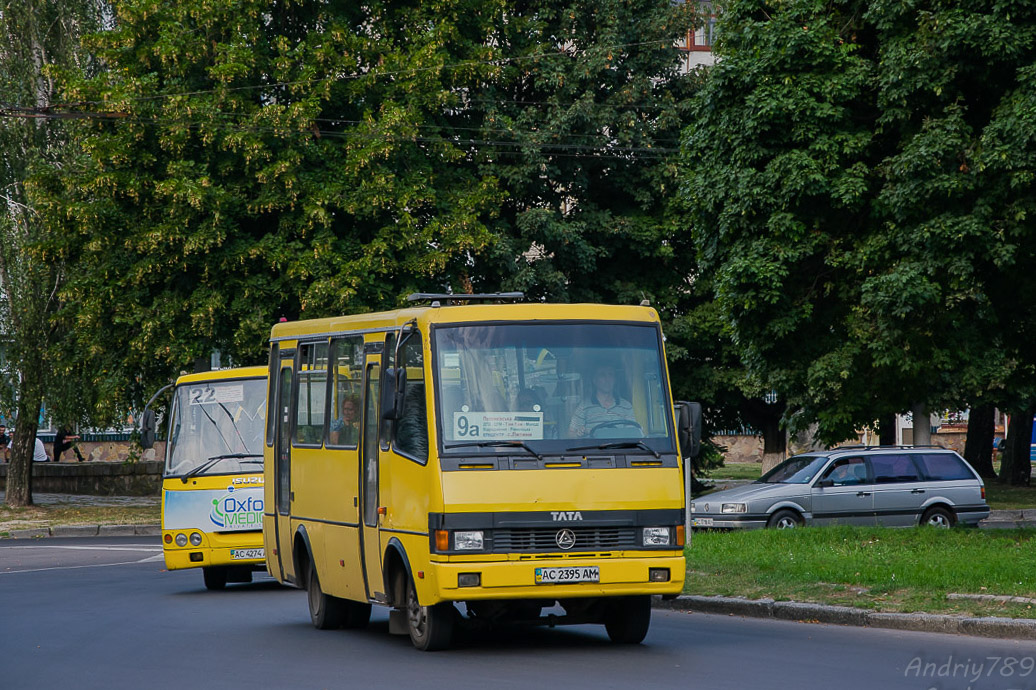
pixel 850 498
pixel 369 479
pixel 282 471
pixel 899 490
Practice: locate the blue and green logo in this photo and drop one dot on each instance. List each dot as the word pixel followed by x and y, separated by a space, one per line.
pixel 230 512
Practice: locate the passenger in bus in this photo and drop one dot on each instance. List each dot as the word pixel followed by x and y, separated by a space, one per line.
pixel 345 430
pixel 604 409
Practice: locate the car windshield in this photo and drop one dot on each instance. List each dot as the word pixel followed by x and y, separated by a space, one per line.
pixel 219 424
pixel 798 470
pixel 551 387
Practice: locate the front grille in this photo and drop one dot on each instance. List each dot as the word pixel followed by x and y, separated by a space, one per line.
pixel 545 539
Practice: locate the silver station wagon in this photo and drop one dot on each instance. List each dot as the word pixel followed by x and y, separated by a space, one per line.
pixel 888 485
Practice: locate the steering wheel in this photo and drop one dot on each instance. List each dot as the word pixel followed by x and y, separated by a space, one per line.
pixel 613 424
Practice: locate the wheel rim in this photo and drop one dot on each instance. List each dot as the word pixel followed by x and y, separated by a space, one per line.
pixel 417 615
pixel 938 520
pixel 787 523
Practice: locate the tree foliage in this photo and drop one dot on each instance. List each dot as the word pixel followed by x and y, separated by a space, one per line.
pixel 250 160
pixel 860 183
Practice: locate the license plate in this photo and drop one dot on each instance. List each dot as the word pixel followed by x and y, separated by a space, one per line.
pixel 247 554
pixel 703 522
pixel 560 576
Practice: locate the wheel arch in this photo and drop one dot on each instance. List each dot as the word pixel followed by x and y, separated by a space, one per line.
pixel 938 502
pixel 301 556
pixel 395 562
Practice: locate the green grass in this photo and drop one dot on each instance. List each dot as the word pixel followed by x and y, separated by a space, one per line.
pixel 51 516
pixel 881 569
pixel 1001 497
pixel 737 470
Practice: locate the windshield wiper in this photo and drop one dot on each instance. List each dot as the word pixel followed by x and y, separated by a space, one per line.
pixel 619 444
pixel 495 444
pixel 213 460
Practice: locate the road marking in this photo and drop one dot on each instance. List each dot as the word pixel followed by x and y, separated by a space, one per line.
pixel 149 559
pixel 148 547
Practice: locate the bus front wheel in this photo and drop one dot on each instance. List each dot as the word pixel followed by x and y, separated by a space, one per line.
pixel 215 577
pixel 430 627
pixel 628 618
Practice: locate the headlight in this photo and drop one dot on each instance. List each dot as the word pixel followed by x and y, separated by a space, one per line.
pixel 656 536
pixel 735 507
pixel 467 541
pixel 181 539
pixel 693 508
pixel 195 539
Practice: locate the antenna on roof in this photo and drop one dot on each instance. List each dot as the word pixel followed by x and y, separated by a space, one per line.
pixel 448 299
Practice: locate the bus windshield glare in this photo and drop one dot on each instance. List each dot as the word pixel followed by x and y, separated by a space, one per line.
pixel 551 387
pixel 217 428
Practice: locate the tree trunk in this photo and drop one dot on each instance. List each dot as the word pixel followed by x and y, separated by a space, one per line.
pixel 922 424
pixel 19 471
pixel 887 430
pixel 775 444
pixel 1015 467
pixel 978 449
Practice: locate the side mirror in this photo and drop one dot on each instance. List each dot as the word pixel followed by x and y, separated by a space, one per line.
pixel 147 429
pixel 688 427
pixel 392 393
pixel 826 483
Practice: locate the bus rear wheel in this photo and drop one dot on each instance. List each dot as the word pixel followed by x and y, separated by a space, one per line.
pixel 628 618
pixel 215 577
pixel 430 627
pixel 326 612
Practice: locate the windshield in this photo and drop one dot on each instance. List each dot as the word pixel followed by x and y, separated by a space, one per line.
pixel 798 470
pixel 552 387
pixel 217 418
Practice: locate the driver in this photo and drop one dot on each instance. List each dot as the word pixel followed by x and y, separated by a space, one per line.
pixel 604 406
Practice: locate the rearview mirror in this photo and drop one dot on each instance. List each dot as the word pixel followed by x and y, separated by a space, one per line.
pixel 826 483
pixel 392 393
pixel 688 427
pixel 147 429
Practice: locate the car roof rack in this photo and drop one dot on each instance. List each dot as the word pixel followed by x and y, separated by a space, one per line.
pixel 437 299
pixel 892 447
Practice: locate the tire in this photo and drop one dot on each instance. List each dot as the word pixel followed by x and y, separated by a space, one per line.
pixel 430 627
pixel 785 519
pixel 215 577
pixel 938 517
pixel 628 619
pixel 326 612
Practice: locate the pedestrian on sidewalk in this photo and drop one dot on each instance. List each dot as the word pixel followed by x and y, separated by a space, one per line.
pixel 39 453
pixel 5 440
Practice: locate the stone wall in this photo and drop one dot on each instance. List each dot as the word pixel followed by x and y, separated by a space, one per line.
pixel 111 469
pixel 743 448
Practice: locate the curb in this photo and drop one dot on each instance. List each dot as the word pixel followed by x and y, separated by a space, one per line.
pixel 87 531
pixel 1007 628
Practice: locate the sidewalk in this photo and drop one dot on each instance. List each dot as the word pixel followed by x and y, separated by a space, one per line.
pixel 73 500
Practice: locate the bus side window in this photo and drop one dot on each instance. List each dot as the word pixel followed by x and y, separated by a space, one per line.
pixel 346 380
pixel 312 389
pixel 412 428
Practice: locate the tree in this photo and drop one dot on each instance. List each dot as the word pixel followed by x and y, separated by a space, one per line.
pixel 848 207
pixel 33 35
pixel 246 161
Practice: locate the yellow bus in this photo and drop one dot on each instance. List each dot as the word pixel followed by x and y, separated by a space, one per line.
pixel 212 487
pixel 504 457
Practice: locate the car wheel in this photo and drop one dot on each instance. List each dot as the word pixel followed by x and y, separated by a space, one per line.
pixel 326 612
pixel 628 619
pixel 938 517
pixel 430 627
pixel 785 519
pixel 215 577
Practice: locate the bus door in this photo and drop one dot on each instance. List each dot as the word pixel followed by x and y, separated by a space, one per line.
pixel 369 474
pixel 282 471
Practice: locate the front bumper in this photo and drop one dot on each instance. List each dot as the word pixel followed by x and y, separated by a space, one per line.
pixel 516 579
pixel 216 549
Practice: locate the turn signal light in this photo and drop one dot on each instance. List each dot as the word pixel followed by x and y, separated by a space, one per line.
pixel 679 535
pixel 169 538
pixel 442 540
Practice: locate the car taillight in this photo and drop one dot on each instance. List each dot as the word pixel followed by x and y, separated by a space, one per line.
pixel 983 493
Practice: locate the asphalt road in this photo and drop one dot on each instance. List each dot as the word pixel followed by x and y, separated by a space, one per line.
pixel 103 613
